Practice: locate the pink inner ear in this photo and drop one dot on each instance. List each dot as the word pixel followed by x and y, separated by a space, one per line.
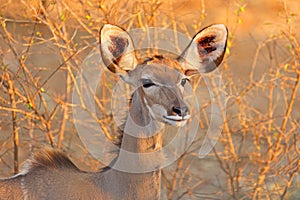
pixel 205 45
pixel 119 45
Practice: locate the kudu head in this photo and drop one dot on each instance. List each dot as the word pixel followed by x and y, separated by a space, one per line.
pixel 160 81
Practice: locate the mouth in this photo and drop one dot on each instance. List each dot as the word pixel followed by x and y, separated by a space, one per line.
pixel 176 120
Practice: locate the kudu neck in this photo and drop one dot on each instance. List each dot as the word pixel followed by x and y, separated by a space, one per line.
pixel 137 167
pixel 142 136
pixel 141 133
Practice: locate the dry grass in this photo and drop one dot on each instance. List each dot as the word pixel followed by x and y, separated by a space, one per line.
pixel 42 46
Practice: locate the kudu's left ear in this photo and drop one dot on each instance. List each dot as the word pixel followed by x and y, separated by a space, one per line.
pixel 206 50
pixel 117 49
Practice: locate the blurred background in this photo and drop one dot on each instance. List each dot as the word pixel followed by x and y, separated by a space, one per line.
pixel 44 42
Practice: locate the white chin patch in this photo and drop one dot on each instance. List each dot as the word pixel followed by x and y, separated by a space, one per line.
pixel 176 120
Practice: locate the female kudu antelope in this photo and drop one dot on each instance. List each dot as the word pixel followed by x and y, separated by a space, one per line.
pixel 157 99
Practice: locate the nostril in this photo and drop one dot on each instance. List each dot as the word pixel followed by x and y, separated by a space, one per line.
pixel 177 110
pixel 181 111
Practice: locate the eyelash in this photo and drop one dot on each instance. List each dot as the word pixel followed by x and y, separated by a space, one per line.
pixel 147 83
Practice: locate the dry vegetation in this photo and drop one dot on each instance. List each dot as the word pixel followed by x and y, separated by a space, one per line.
pixel 44 42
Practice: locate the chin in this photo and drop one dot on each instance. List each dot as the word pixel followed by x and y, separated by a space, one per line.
pixel 176 121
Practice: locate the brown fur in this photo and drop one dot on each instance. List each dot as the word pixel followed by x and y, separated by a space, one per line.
pixel 49 158
pixel 118 47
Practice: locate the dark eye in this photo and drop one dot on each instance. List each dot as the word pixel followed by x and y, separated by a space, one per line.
pixel 147 83
pixel 183 81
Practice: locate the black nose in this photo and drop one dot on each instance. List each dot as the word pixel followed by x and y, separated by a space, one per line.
pixel 181 111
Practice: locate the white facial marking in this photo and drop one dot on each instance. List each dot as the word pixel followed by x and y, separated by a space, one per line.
pixel 149 108
pixel 176 120
pixel 177 117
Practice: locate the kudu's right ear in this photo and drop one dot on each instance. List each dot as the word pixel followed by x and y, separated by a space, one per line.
pixel 117 50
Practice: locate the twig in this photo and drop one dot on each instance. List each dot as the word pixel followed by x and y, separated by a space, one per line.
pixel 11 92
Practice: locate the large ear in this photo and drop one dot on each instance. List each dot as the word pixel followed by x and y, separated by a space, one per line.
pixel 206 50
pixel 117 49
